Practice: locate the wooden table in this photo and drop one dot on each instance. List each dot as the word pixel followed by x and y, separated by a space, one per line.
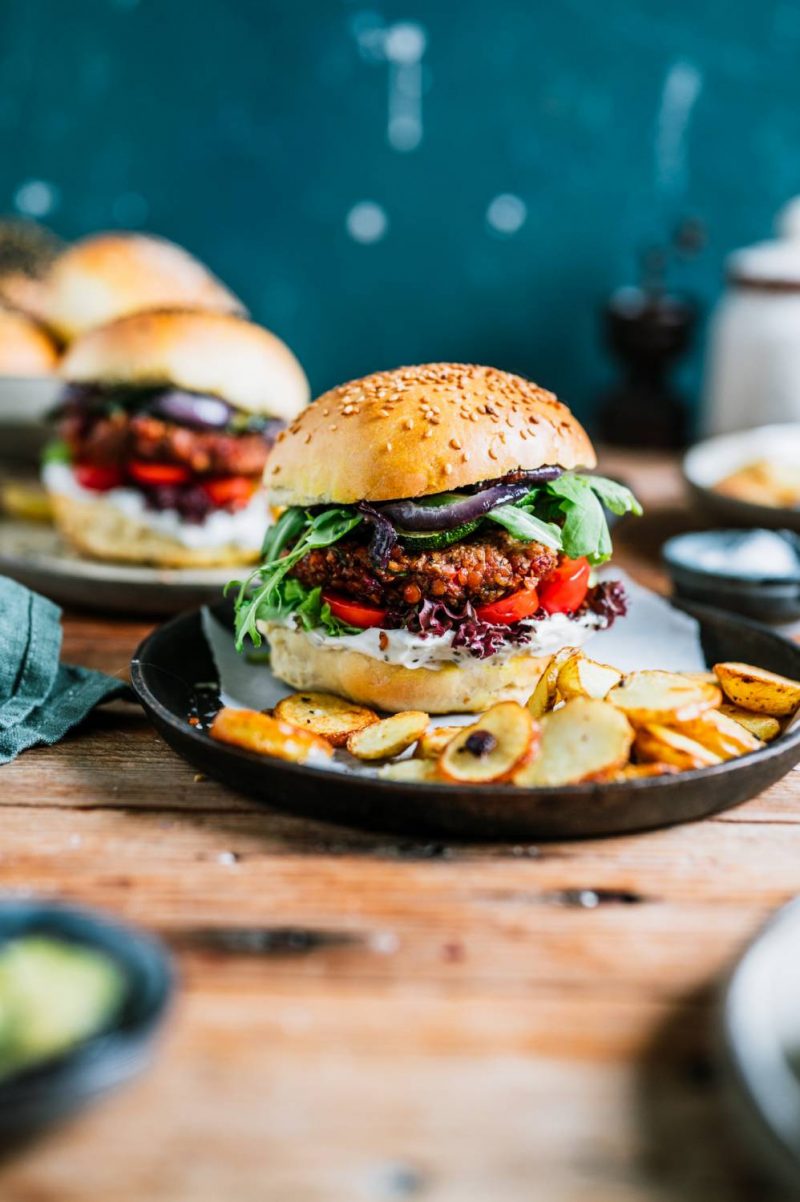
pixel 370 1018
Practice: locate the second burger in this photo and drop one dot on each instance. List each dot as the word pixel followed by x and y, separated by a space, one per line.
pixel 164 429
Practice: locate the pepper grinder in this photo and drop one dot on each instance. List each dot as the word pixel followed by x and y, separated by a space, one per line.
pixel 648 328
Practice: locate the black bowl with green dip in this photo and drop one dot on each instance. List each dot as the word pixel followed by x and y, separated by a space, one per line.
pixel 81 998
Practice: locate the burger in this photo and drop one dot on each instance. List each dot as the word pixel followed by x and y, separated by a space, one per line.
pixel 164 428
pixel 438 537
pixel 25 348
pixel 110 275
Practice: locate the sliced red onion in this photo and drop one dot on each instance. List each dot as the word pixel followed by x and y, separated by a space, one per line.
pixel 384 535
pixel 191 409
pixel 411 515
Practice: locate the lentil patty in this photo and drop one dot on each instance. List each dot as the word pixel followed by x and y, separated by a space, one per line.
pixel 483 568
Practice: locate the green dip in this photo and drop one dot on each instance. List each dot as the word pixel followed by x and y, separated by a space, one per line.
pixel 53 995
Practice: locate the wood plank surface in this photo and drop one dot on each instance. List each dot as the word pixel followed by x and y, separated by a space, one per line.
pixel 365 1017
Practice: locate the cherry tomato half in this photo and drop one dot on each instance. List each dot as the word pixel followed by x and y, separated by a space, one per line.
pixel 230 492
pixel 97 477
pixel 510 609
pixel 354 613
pixel 156 474
pixel 565 589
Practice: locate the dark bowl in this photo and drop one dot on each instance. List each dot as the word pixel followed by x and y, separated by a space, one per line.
pixel 175 656
pixel 37 1097
pixel 772 599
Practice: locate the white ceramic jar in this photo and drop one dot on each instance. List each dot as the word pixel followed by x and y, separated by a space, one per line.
pixel 753 360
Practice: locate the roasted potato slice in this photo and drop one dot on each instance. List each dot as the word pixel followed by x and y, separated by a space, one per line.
pixel 545 695
pixel 580 741
pixel 761 725
pixel 584 677
pixel 434 741
pixel 491 748
pixel 325 714
pixel 662 697
pixel 410 770
pixel 389 737
pixel 759 690
pixel 720 734
pixel 707 677
pixel 644 771
pixel 266 735
pixel 661 744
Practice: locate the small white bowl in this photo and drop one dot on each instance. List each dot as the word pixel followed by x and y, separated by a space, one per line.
pixel 711 461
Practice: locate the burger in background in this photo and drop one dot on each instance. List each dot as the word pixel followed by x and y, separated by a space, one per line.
pixel 26 349
pixel 111 275
pixel 438 541
pixel 165 426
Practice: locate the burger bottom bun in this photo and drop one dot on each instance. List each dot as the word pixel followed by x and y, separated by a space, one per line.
pixel 455 688
pixel 101 531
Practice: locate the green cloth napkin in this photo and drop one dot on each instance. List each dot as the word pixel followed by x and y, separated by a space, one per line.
pixel 40 699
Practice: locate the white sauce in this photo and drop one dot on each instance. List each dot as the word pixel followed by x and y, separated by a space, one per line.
pixel 245 528
pixel 413 651
pixel 757 554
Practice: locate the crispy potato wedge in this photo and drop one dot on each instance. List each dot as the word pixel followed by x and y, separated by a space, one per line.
pixel 759 690
pixel 584 677
pixel 545 695
pixel 720 734
pixel 389 737
pixel 491 748
pixel 662 697
pixel 763 726
pixel 434 741
pixel 266 735
pixel 663 745
pixel 324 714
pixel 580 741
pixel 410 770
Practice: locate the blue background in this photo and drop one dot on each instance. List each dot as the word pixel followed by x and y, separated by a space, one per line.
pixel 249 130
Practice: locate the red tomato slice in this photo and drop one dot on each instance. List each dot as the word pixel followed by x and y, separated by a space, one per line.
pixel 156 474
pixel 510 609
pixel 354 613
pixel 97 477
pixel 230 492
pixel 564 591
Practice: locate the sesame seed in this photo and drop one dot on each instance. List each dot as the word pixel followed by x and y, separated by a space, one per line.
pixel 334 427
pixel 465 458
pixel 448 469
pixel 455 444
pixel 492 453
pixel 409 423
pixel 348 409
pixel 307 439
pixel 388 447
pixel 385 412
pixel 428 434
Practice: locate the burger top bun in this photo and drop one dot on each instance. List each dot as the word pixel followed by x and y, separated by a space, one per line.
pixel 416 431
pixel 214 353
pixel 109 275
pixel 25 348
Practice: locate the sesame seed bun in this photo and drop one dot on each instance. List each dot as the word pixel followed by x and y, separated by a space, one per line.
pixel 109 275
pixel 416 431
pixel 98 529
pixel 465 688
pixel 25 348
pixel 214 353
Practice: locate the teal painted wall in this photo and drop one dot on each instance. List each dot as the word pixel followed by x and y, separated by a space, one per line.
pixel 250 130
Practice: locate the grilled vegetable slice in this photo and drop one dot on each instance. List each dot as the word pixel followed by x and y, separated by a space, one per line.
pixel 583 677
pixel 581 741
pixel 759 690
pixel 266 735
pixel 662 697
pixel 661 744
pixel 326 715
pixel 491 748
pixel 644 771
pixel 410 770
pixel 388 737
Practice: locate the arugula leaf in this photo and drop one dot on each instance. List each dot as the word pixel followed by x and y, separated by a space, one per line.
pixel 306 531
pixel 615 496
pixel 525 526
